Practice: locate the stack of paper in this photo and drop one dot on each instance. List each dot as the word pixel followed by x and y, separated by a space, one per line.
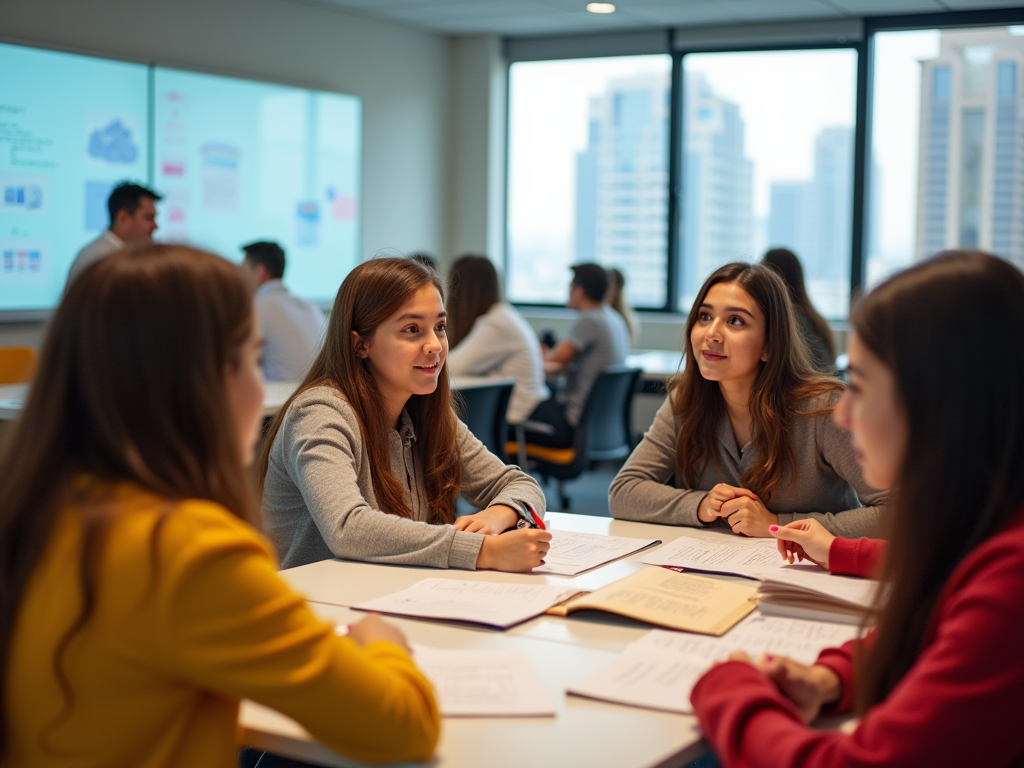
pixel 471 683
pixel 572 553
pixel 493 604
pixel 659 670
pixel 800 590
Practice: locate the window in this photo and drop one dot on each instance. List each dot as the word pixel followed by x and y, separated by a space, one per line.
pixel 767 161
pixel 947 156
pixel 588 175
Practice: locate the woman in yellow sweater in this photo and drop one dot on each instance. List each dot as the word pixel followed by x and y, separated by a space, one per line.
pixel 138 605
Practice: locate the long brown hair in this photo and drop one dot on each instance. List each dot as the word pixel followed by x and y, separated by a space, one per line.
pixel 130 387
pixel 472 290
pixel 370 294
pixel 785 262
pixel 962 477
pixel 786 379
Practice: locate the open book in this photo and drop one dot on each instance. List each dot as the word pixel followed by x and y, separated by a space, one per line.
pixel 668 599
pixel 802 590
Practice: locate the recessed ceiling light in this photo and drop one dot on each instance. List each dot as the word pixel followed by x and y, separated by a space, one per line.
pixel 601 7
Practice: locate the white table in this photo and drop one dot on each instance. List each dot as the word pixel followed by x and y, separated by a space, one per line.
pixel 564 650
pixel 12 400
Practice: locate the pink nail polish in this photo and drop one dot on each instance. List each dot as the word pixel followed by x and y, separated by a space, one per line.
pixel 773 528
pixel 769 658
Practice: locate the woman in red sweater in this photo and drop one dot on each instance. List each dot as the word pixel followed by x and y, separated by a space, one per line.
pixel 940 681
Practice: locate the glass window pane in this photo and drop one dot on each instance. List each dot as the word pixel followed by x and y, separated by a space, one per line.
pixel 767 162
pixel 588 174
pixel 947 154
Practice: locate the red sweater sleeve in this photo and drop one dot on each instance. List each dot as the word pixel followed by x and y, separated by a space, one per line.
pixel 855 557
pixel 960 704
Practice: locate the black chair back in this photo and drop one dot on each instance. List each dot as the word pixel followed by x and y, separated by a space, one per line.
pixel 607 418
pixel 483 409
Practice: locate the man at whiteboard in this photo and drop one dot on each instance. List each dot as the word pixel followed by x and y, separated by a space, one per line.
pixel 292 329
pixel 132 210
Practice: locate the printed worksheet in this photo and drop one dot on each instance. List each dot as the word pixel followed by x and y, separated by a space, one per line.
pixel 722 554
pixel 659 670
pixel 494 604
pixel 572 553
pixel 471 683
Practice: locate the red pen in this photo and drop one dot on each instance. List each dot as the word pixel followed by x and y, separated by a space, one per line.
pixel 536 517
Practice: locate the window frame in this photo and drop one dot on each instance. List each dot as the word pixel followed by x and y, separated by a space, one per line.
pixel 626 44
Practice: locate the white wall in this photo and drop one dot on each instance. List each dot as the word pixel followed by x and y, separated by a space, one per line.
pixel 402 75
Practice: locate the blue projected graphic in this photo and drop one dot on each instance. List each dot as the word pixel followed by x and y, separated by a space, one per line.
pixel 235 160
pixel 113 144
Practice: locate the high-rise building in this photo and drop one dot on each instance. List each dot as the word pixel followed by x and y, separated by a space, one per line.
pixel 622 183
pixel 971 163
pixel 812 217
pixel 718 178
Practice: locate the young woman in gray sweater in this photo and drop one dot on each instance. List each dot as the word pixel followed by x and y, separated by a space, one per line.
pixel 366 459
pixel 746 431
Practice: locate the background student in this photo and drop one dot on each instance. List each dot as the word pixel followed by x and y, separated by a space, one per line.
pixel 598 338
pixel 616 299
pixel 132 209
pixel 139 605
pixel 292 329
pixel 488 337
pixel 367 458
pixel 940 681
pixel 813 327
pixel 745 431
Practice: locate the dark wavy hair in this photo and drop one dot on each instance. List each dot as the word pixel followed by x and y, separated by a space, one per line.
pixel 130 387
pixel 962 477
pixel 786 379
pixel 371 293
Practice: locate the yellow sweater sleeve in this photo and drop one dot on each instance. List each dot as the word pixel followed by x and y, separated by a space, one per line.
pixel 233 626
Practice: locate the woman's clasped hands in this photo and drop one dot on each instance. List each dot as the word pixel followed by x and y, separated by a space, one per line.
pixel 740 508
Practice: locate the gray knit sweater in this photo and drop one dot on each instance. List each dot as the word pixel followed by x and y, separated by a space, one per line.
pixel 827 484
pixel 318 499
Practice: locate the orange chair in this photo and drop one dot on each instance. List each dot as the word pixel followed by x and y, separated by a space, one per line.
pixel 17 364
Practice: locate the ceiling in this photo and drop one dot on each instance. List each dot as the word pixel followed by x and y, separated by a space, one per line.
pixel 549 17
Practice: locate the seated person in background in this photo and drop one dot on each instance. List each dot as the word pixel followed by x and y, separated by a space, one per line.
pixel 490 338
pixel 616 299
pixel 813 326
pixel 366 459
pixel 292 329
pixel 132 209
pixel 140 605
pixel 940 680
pixel 597 339
pixel 746 431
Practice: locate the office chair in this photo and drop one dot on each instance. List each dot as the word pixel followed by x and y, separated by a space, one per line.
pixel 483 409
pixel 604 432
pixel 17 364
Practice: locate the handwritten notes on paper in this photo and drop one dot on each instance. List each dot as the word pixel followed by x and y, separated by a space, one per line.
pixel 659 670
pixel 494 604
pixel 472 683
pixel 572 553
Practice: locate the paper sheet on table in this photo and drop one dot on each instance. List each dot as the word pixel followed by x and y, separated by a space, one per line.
pixel 572 553
pixel 659 670
pixel 494 604
pixel 722 554
pixel 683 601
pixel 471 683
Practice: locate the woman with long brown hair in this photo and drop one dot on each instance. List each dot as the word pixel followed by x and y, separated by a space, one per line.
pixel 138 604
pixel 940 681
pixel 745 430
pixel 488 337
pixel 366 459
